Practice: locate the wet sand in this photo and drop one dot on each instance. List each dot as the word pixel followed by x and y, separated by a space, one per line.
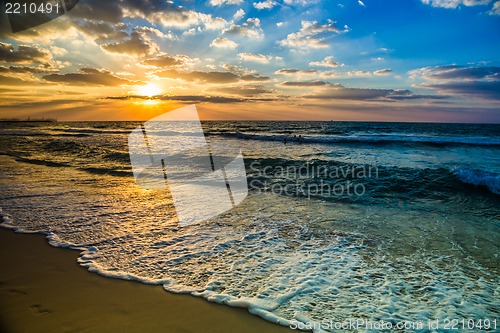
pixel 43 289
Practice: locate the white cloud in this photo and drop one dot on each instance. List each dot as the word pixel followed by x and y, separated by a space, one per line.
pixel 300 2
pixel 239 14
pixel 223 43
pixel 327 62
pixel 309 36
pixel 496 9
pixel 156 32
pixel 279 24
pixel 455 3
pixel 251 28
pixel 187 19
pixel 359 73
pixel 225 2
pixel 361 3
pixel 260 58
pixel 267 4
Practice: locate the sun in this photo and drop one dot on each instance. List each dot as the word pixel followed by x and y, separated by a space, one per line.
pixel 149 90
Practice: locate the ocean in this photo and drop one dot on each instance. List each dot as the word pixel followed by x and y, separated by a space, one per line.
pixel 392 222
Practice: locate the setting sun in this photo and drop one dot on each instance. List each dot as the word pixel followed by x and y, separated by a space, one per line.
pixel 149 90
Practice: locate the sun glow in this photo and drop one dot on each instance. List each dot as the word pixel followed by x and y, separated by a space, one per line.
pixel 149 90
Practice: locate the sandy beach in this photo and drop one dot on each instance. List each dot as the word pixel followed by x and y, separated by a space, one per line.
pixel 43 289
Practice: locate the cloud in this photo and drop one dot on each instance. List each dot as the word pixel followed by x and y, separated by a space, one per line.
pixel 341 92
pixel 224 43
pixel 225 2
pixel 155 12
pixel 23 55
pixel 314 83
pixel 337 91
pixel 240 13
pixel 359 73
pixel 305 72
pixel 89 76
pixel 293 71
pixel 22 70
pixel 301 2
pixel 238 69
pixel 455 3
pixel 267 4
pixel 101 31
pixel 251 28
pixel 211 99
pixel 361 3
pixel 155 32
pixel 210 77
pixel 385 71
pixel 310 36
pixel 260 58
pixel 496 9
pixel 245 90
pixel 165 60
pixel 482 89
pixel 168 14
pixel 98 10
pixel 480 82
pixel 135 44
pixel 327 62
pixel 454 72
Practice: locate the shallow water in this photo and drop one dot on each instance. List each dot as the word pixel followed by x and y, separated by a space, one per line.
pixel 419 243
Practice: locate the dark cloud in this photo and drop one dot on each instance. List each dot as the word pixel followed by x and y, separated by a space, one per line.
pixel 383 71
pixel 251 77
pixel 484 89
pixel 23 54
pixel 196 98
pixel 185 98
pixel 406 94
pixel 338 91
pixel 291 71
pixel 136 44
pixel 314 83
pixel 22 70
pixel 161 12
pixel 164 61
pixel 474 81
pixel 102 31
pixel 246 90
pixel 89 76
pixel 210 77
pixel 107 11
pixel 464 73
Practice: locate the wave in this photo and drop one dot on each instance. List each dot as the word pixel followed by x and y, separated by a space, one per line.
pixel 487 179
pixel 379 139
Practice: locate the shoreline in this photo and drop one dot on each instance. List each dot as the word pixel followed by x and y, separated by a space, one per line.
pixel 43 289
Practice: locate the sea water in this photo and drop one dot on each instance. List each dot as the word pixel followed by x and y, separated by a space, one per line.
pixel 381 222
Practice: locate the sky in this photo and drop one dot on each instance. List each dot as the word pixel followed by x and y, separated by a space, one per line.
pixel 346 60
